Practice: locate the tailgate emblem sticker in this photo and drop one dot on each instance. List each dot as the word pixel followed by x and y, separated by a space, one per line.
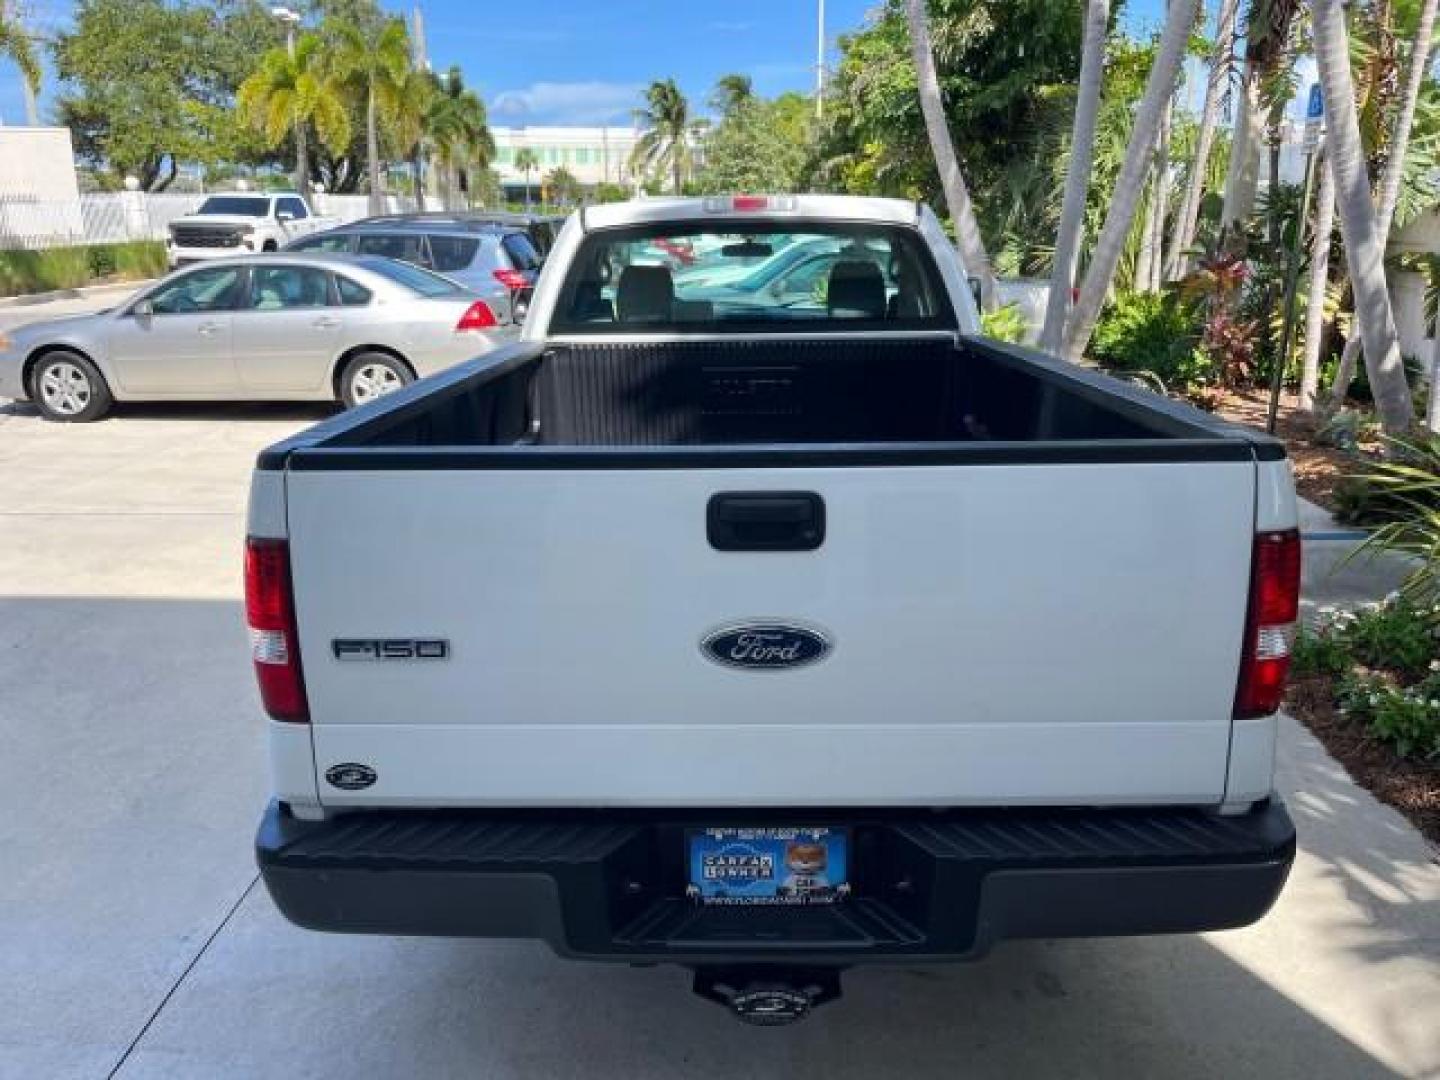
pixel 350 776
pixel 765 646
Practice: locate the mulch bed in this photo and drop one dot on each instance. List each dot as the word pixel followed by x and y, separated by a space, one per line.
pixel 1412 787
pixel 1317 468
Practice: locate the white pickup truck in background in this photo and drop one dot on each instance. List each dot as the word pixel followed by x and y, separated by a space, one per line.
pixel 771 631
pixel 239 224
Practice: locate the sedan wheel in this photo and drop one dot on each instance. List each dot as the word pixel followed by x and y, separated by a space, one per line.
pixel 372 375
pixel 68 388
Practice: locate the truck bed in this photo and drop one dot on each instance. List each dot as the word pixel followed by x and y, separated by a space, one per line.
pixel 926 397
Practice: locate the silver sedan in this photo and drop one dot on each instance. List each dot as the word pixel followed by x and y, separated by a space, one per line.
pixel 265 328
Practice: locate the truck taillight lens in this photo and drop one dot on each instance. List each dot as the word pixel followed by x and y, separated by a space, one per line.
pixel 274 644
pixel 478 316
pixel 1270 624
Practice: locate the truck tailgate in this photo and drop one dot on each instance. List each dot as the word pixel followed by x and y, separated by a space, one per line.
pixel 1030 633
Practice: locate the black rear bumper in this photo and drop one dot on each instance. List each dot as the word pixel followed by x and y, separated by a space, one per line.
pixel 927 886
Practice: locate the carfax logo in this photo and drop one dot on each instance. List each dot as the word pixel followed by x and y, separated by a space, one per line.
pixel 738 865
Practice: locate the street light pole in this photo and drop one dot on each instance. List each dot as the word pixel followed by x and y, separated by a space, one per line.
pixel 291 19
pixel 820 62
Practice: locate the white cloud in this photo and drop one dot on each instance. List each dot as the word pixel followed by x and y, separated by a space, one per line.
pixel 578 103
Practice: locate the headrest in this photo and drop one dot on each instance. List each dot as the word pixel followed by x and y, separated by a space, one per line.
pixel 856 289
pixel 645 294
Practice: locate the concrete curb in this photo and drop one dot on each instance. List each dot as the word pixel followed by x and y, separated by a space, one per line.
pixel 29 299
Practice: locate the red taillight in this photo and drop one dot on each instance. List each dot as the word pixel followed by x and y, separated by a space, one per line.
pixel 1270 623
pixel 749 202
pixel 512 279
pixel 478 316
pixel 274 643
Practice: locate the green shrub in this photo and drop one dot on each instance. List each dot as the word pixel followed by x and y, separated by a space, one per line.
pixel 1319 654
pixel 71 267
pixel 1147 332
pixel 1405 717
pixel 1005 323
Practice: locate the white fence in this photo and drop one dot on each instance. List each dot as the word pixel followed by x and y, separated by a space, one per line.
pixel 31 223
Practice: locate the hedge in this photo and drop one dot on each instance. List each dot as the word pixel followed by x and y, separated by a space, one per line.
pixel 71 267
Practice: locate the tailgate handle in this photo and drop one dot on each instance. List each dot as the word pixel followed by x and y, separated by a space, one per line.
pixel 765 521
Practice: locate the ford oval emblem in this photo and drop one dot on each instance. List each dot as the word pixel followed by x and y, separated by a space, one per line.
pixel 765 646
pixel 350 776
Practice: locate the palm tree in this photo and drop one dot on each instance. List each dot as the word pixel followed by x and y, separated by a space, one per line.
pixel 1319 276
pixel 1183 233
pixel 957 194
pixel 1077 178
pixel 1148 268
pixel 731 92
pixel 665 146
pixel 1266 37
pixel 1389 194
pixel 1158 90
pixel 374 63
pixel 409 126
pixel 288 95
pixel 460 130
pixel 526 162
pixel 562 186
pixel 17 46
pixel 1364 244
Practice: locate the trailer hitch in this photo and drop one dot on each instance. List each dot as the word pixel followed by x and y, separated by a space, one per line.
pixel 768 995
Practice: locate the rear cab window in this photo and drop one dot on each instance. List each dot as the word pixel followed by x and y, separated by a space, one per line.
pixel 747 277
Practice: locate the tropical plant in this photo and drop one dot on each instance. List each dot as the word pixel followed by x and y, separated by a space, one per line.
pixel 957 193
pixel 1126 196
pixel 1145 333
pixel 526 162
pixel 1077 175
pixel 1268 35
pixel 373 62
pixel 731 92
pixel 17 46
pixel 1222 56
pixel 759 145
pixel 561 187
pixel 1004 323
pixel 1388 195
pixel 289 95
pixel 1364 245
pixel 665 145
pixel 459 129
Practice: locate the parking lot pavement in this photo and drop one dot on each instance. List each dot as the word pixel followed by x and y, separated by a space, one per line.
pixel 133 935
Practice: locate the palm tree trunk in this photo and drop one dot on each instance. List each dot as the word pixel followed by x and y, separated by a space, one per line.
pixel 372 154
pixel 1183 233
pixel 1077 177
pixel 1389 194
pixel 1364 244
pixel 1158 90
pixel 1244 173
pixel 957 195
pixel 1319 276
pixel 417 164
pixel 1432 405
pixel 302 164
pixel 1147 273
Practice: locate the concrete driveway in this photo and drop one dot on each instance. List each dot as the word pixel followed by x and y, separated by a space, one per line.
pixel 135 941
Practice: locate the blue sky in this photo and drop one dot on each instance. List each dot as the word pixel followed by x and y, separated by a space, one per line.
pixel 585 62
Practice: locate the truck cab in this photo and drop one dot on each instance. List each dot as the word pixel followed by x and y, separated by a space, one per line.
pixel 239 224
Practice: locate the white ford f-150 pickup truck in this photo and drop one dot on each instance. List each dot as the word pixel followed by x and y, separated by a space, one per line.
pixel 773 626
pixel 241 224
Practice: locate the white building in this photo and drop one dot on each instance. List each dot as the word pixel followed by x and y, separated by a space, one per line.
pixel 593 155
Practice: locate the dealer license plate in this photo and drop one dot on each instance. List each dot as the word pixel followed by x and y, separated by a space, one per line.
pixel 768 866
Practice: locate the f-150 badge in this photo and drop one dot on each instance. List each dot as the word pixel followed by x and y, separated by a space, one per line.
pixel 390 648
